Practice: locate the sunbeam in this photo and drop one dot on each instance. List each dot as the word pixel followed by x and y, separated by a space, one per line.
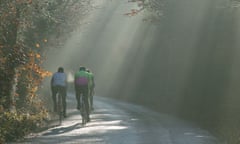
pixel 185 64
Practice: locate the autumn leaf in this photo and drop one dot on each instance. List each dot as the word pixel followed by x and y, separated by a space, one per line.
pixel 132 13
pixel 31 54
pixel 16 94
pixel 1 109
pixel 37 45
pixel 29 1
pixel 38 56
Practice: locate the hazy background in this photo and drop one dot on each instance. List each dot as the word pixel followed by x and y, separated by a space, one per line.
pixel 185 64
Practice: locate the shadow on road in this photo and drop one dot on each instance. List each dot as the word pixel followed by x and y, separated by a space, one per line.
pixel 60 130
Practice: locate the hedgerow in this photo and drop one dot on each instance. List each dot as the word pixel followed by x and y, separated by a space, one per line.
pixel 16 125
pixel 27 30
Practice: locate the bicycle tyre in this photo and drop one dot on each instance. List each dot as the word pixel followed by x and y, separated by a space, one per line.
pixel 83 113
pixel 60 108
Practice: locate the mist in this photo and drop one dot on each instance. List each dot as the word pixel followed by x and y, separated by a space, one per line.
pixel 186 64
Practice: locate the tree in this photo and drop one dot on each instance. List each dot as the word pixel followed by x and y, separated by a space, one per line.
pixel 11 52
pixel 153 7
pixel 26 29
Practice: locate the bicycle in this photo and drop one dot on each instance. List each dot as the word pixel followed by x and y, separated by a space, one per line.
pixel 59 106
pixel 83 111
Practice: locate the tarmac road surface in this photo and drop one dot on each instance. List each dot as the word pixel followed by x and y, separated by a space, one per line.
pixel 116 122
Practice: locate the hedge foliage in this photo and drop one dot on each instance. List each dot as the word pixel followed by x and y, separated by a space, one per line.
pixel 16 125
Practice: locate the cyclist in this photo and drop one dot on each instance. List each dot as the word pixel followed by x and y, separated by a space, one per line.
pixel 91 88
pixel 81 80
pixel 59 84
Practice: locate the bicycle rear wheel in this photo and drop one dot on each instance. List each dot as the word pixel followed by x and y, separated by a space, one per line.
pixel 83 111
pixel 60 108
pixel 83 114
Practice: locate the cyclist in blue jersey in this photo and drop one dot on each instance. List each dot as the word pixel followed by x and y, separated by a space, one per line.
pixel 59 84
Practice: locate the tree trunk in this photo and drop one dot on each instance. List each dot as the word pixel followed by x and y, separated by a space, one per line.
pixel 8 76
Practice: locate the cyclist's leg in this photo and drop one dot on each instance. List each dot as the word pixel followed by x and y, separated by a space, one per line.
pixel 86 101
pixel 63 92
pixel 78 97
pixel 54 94
pixel 91 97
pixel 81 98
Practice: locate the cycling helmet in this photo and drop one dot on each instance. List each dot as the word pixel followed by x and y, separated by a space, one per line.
pixel 82 68
pixel 60 69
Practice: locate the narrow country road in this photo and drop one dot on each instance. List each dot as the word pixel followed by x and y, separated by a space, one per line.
pixel 107 44
pixel 115 122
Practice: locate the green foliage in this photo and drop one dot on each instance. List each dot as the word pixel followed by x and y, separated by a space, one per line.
pixel 26 30
pixel 16 125
pixel 228 127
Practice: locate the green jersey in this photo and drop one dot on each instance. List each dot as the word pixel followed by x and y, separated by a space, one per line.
pixel 81 78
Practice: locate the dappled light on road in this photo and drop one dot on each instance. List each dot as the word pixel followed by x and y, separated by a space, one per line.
pixel 118 122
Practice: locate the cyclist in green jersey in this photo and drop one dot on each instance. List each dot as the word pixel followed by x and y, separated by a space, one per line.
pixel 81 81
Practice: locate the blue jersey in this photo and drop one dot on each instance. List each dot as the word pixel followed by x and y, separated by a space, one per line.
pixel 59 79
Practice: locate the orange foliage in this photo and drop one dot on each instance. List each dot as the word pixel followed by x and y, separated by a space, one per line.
pixel 33 73
pixel 30 1
pixel 24 1
pixel 2 59
pixel 16 94
pixel 37 45
pixel 38 56
pixel 133 12
pixel 1 109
